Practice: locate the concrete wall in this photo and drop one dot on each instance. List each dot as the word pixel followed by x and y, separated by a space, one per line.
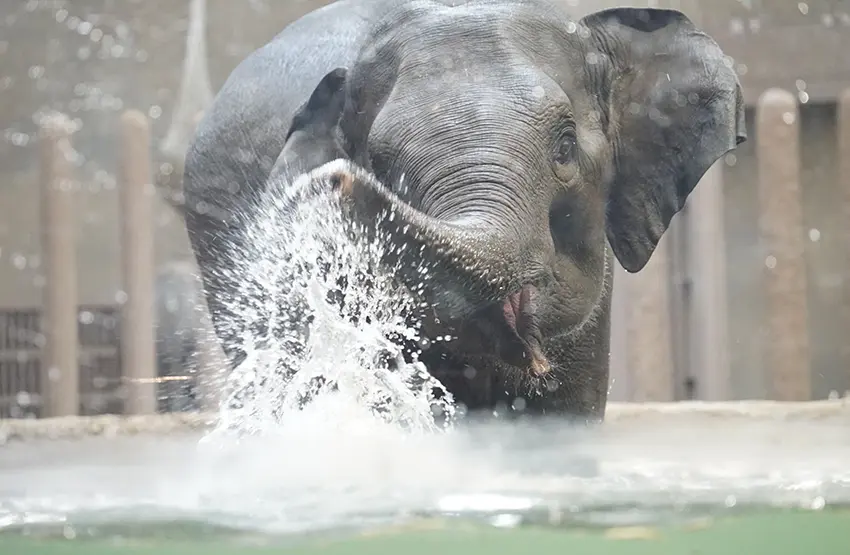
pixel 826 246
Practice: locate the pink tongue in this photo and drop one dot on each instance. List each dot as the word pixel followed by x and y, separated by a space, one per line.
pixel 512 308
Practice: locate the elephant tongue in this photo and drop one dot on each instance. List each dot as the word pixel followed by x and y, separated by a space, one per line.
pixel 517 311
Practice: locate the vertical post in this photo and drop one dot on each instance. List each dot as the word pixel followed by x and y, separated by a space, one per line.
pixel 680 297
pixel 137 322
pixel 781 226
pixel 650 356
pixel 843 145
pixel 60 380
pixel 709 352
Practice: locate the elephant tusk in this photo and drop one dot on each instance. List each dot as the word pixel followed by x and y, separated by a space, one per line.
pixel 539 363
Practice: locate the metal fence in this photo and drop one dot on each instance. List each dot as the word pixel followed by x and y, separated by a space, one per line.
pixel 21 378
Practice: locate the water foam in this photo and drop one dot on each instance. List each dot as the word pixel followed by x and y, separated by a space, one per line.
pixel 308 263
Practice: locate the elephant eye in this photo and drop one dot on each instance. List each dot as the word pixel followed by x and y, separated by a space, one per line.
pixel 566 149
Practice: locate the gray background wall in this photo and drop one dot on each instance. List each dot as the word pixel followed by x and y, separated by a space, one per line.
pixel 50 60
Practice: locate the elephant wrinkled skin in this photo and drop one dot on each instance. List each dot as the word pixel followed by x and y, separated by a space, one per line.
pixel 525 149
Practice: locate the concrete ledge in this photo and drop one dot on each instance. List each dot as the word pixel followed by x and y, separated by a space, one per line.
pixel 618 414
pixel 77 427
pixel 760 410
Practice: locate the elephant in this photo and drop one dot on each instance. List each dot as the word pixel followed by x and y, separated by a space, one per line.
pixel 523 151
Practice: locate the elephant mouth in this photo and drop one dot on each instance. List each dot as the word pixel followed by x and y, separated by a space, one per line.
pixel 502 335
pixel 518 312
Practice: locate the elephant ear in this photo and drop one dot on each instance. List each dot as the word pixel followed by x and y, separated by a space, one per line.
pixel 335 121
pixel 675 107
pixel 314 136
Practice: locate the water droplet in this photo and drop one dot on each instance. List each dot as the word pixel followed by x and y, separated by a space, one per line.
pixel 789 118
pixel 36 72
pixel 814 235
pixel 736 26
pixel 770 262
pixel 23 398
pixel 506 520
pixel 19 261
pixel 803 7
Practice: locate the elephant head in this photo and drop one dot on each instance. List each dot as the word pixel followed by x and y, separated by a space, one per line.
pixel 515 149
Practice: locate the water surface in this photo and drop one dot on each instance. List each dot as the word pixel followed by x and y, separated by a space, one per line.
pixel 317 475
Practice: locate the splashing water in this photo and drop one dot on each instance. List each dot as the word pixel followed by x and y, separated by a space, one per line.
pixel 310 268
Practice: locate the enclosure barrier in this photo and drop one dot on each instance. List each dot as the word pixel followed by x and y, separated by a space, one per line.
pixel 781 224
pixel 619 415
pixel 137 330
pixel 643 357
pixel 60 364
pixel 644 339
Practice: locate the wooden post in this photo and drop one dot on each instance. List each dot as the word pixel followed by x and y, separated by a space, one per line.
pixel 137 323
pixel 60 376
pixel 843 146
pixel 649 348
pixel 786 347
pixel 709 352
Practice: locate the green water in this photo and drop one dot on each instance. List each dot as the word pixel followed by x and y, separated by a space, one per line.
pixel 786 532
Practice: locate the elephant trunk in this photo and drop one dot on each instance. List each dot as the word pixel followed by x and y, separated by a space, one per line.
pixel 459 268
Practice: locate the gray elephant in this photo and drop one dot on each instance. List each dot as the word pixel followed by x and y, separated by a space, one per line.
pixel 533 150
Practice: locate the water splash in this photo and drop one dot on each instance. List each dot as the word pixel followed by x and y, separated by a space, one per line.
pixel 309 264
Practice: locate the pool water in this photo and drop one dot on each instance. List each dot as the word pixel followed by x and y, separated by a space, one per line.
pixel 316 479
